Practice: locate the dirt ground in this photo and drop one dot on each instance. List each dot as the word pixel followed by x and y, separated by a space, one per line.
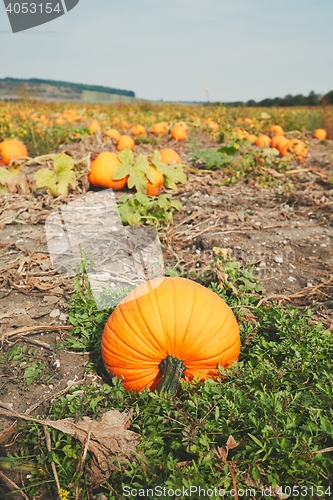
pixel 288 238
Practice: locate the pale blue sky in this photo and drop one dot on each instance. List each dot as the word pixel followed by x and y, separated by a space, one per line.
pixel 174 49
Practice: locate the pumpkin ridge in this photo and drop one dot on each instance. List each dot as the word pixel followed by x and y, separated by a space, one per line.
pixel 147 344
pixel 204 342
pixel 188 324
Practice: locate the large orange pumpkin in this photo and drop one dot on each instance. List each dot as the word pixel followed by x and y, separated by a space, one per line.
pixel 167 329
pixel 102 170
pixel 296 147
pixel 10 149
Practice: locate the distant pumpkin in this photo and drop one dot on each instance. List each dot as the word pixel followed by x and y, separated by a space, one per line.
pixel 11 149
pixel 125 142
pixel 320 134
pixel 170 156
pixel 179 133
pixel 137 130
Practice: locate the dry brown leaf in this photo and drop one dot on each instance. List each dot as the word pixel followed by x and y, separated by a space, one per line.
pixel 108 439
pixel 231 443
pixel 7 433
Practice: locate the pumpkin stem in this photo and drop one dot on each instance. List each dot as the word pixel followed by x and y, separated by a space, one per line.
pixel 172 371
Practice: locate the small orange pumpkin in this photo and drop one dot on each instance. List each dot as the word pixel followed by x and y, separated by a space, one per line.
pixel 138 130
pixel 10 149
pixel 155 187
pixel 94 126
pixel 179 133
pixel 167 329
pixel 125 142
pixel 125 125
pixel 263 141
pixel 296 147
pixel 102 170
pixel 252 138
pixel 114 134
pixel 160 128
pixel 320 134
pixel 276 139
pixel 276 130
pixel 170 156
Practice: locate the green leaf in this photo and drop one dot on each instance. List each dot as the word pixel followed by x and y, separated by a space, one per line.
pixel 164 201
pixel 57 181
pixel 46 178
pixel 126 157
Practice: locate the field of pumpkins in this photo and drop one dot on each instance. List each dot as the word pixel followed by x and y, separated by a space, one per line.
pixel 217 372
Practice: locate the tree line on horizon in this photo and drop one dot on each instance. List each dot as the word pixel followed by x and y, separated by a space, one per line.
pixel 312 99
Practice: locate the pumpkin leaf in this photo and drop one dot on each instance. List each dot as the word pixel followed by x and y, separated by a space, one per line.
pixel 173 174
pixel 58 180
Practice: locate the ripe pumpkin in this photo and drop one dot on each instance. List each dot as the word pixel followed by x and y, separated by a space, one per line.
pixel 170 156
pixel 94 126
pixel 102 171
pixel 179 133
pixel 114 134
pixel 295 146
pixel 279 144
pixel 155 187
pixel 276 130
pixel 10 149
pixel 263 141
pixel 125 125
pixel 160 128
pixel 138 130
pixel 252 138
pixel 167 329
pixel 125 142
pixel 242 134
pixel 276 139
pixel 320 134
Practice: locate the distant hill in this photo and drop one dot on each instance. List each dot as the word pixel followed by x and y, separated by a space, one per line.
pixel 52 90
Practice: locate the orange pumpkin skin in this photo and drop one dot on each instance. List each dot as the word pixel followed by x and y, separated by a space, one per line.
pixel 10 149
pixel 138 130
pixel 252 138
pixel 170 156
pixel 155 188
pixel 160 128
pixel 125 142
pixel 320 134
pixel 102 170
pixel 94 126
pixel 114 134
pixel 276 139
pixel 169 317
pixel 179 133
pixel 276 130
pixel 295 146
pixel 263 141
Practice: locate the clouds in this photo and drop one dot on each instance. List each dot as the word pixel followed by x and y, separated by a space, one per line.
pixel 175 49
